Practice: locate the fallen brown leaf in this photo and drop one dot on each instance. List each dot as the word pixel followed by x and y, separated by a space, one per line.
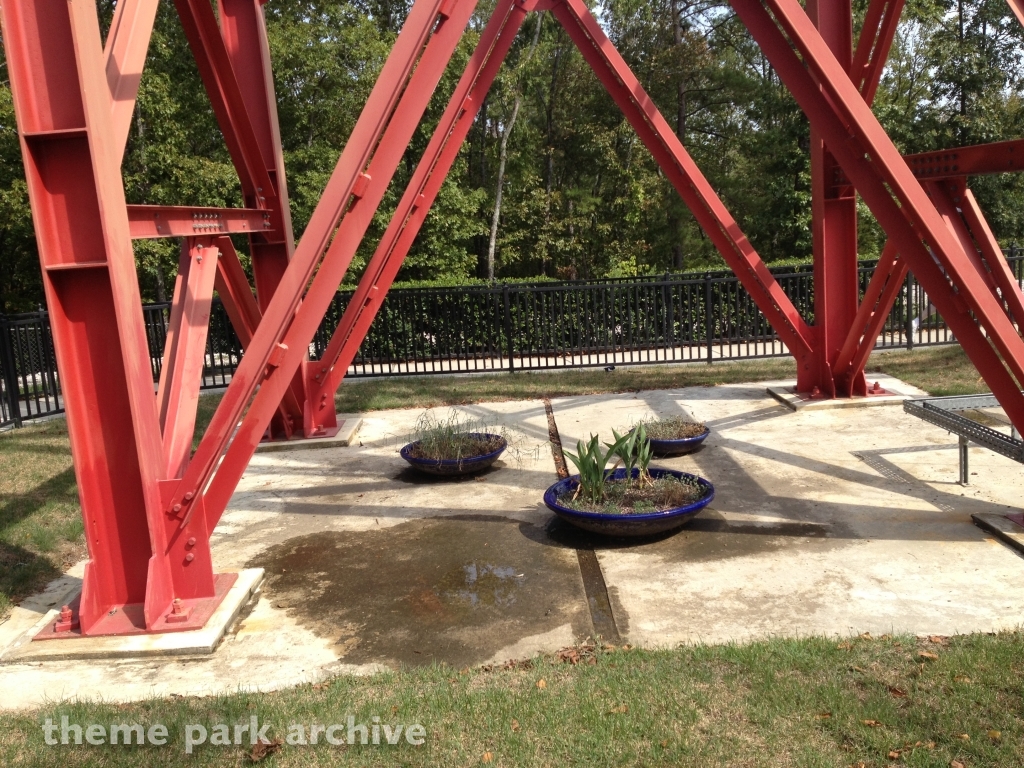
pixel 955 764
pixel 866 636
pixel 899 693
pixel 844 646
pixel 542 684
pixel 995 735
pixel 894 754
pixel 964 737
pixel 620 710
pixel 664 743
pixel 927 655
pixel 488 756
pixel 961 679
pixel 264 749
pixel 871 723
pixel 858 669
pixel 515 725
pixel 823 716
pixel 394 709
pixel 937 639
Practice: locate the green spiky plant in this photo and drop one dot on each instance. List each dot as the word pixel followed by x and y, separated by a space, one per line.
pixel 635 451
pixel 591 462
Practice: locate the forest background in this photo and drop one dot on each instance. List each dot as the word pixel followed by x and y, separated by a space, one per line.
pixel 580 197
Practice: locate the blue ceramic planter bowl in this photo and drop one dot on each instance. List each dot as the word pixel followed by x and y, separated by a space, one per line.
pixel 679 446
pixel 452 467
pixel 646 524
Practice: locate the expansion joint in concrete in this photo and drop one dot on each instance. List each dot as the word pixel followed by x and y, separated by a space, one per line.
pixel 598 602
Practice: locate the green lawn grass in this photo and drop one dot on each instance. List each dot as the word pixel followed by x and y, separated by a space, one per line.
pixel 810 702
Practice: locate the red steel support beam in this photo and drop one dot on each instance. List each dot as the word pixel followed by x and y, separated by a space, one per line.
pixel 991 253
pixel 420 194
pixel 390 150
pixel 869 59
pixel 876 35
pixel 958 162
pixel 124 57
pixel 185 351
pixel 204 38
pixel 443 149
pixel 233 288
pixel 155 221
pixel 885 285
pixel 686 177
pixel 244 32
pixel 269 362
pixel 834 225
pixel 896 198
pixel 137 561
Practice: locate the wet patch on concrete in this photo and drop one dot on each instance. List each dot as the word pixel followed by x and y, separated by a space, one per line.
pixel 453 590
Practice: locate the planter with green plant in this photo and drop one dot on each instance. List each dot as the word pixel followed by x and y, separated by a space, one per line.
pixel 633 499
pixel 455 445
pixel 674 436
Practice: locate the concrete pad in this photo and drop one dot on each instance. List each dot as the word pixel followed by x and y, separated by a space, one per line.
pixel 826 522
pixel 189 643
pixel 830 522
pixel 348 425
pixel 894 393
pixel 402 556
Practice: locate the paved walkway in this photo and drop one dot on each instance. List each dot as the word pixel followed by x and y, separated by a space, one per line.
pixel 825 522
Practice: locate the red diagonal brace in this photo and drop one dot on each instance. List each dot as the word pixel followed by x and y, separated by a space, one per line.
pixel 185 351
pixel 125 56
pixel 235 294
pixel 870 160
pixel 280 315
pixel 204 38
pixel 873 46
pixel 991 253
pixel 685 176
pixel 878 299
pixel 419 196
pixel 391 149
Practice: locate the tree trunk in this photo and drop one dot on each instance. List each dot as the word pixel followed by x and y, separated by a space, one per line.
pixel 503 157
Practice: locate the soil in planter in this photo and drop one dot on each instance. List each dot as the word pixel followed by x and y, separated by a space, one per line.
pixel 454 447
pixel 675 428
pixel 626 498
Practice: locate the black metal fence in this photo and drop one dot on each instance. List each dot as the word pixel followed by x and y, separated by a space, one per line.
pixel 671 318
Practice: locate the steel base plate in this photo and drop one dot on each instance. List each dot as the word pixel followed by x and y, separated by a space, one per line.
pixel 128 619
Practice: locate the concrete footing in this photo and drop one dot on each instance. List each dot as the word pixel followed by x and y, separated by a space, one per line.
pixel 21 648
pixel 894 392
pixel 348 426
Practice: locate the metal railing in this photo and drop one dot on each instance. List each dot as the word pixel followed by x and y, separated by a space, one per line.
pixel 505 327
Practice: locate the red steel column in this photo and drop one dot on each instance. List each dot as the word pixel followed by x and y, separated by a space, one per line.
pixel 139 559
pixel 834 212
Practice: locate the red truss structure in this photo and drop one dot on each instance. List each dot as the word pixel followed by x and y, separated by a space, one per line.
pixel 149 503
